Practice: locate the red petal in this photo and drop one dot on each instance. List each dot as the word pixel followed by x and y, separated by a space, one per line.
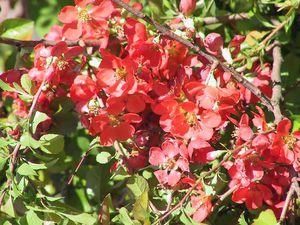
pixel 60 48
pixel 284 126
pixel 156 156
pixel 73 52
pixel 68 14
pixel 72 31
pixel 173 178
pixel 103 10
pixel 124 131
pixel 107 136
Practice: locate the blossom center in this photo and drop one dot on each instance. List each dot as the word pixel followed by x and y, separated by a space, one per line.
pixel 170 164
pixel 191 118
pixel 113 120
pixel 172 50
pixel 290 141
pixel 121 73
pixel 62 64
pixel 84 16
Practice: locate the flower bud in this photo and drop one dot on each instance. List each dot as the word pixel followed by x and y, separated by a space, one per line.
pixel 213 43
pixel 187 7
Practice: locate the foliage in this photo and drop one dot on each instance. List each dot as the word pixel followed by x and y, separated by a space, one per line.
pixel 109 121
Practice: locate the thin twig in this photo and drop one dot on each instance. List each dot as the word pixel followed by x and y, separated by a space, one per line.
pixel 225 19
pixel 270 36
pixel 224 196
pixel 276 79
pixel 286 204
pixel 167 32
pixel 14 157
pixel 32 43
pixel 83 158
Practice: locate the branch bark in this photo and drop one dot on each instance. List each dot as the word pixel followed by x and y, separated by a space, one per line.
pixel 32 43
pixel 167 32
pixel 225 19
pixel 276 79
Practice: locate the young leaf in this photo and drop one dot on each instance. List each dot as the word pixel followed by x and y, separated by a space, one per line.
pixel 8 208
pixel 27 84
pixel 140 208
pixel 32 218
pixel 52 143
pixel 5 87
pixel 103 157
pixel 83 218
pixel 17 28
pixel 27 141
pixel 266 217
pixel 37 119
pixel 26 170
pixel 137 185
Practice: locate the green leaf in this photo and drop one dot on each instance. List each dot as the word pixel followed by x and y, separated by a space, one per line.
pixel 26 170
pixel 242 220
pixel 8 208
pixel 83 218
pixel 37 119
pixel 52 143
pixel 124 217
pixel 2 163
pixel 20 29
pixel 27 84
pixel 27 141
pixel 5 87
pixel 32 218
pixel 266 217
pixel 137 185
pixel 140 208
pixel 103 157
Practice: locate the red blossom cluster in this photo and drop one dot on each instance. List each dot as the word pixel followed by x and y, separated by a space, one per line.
pixel 167 106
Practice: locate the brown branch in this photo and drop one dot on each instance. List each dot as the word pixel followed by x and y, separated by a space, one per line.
pixel 276 79
pixel 286 204
pixel 225 19
pixel 162 29
pixel 32 43
pixel 167 32
pixel 224 196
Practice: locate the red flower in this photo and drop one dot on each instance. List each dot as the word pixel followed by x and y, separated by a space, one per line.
pixel 55 64
pixel 87 19
pixel 171 158
pixel 83 89
pixel 254 195
pixel 286 146
pixel 202 204
pixel 182 120
pixel 116 75
pixel 113 126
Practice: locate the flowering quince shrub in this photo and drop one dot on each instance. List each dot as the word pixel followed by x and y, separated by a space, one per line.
pixel 166 134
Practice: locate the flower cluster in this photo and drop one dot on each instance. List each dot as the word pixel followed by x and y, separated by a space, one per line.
pixel 169 108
